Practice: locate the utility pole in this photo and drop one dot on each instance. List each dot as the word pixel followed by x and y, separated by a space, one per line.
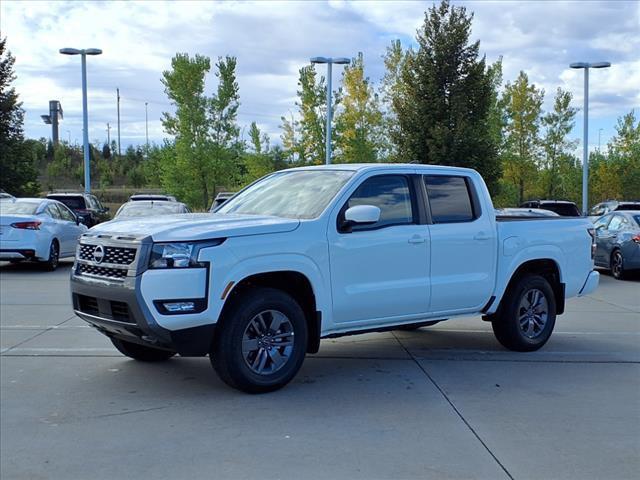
pixel 599 135
pixel 146 123
pixel 118 96
pixel 108 134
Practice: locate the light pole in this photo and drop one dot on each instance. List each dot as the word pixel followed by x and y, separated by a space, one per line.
pixel 146 124
pixel 599 134
pixel 585 147
pixel 329 61
pixel 85 118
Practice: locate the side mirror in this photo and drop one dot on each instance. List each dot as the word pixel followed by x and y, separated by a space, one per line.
pixel 77 220
pixel 360 215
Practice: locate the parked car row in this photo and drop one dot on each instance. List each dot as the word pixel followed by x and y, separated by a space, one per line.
pixel 45 230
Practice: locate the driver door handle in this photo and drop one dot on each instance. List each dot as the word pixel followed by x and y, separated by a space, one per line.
pixel 417 239
pixel 481 236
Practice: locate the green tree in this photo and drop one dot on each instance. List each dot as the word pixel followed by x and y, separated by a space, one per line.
pixel 19 175
pixel 443 118
pixel 393 92
pixel 206 134
pixel 259 140
pixel 559 161
pixel 312 108
pixel 106 151
pixel 359 119
pixel 522 103
pixel 290 142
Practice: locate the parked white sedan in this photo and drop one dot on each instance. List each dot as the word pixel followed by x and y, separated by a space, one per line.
pixel 38 229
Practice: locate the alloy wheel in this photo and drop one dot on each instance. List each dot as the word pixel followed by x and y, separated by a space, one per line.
pixel 267 342
pixel 533 313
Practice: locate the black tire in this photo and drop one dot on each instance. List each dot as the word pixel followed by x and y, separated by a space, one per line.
pixel 617 265
pixel 508 325
pixel 411 328
pixel 141 352
pixel 237 368
pixel 54 256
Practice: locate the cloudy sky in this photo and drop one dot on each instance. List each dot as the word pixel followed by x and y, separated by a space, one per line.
pixel 272 40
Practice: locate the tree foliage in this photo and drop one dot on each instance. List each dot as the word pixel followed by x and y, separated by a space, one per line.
pixel 522 104
pixel 358 122
pixel 443 113
pixel 204 128
pixel 19 175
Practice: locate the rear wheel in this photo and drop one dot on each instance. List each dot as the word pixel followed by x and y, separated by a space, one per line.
pixel 527 315
pixel 261 341
pixel 141 352
pixel 617 265
pixel 54 256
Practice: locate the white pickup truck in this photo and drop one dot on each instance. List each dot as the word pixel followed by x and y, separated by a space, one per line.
pixel 317 252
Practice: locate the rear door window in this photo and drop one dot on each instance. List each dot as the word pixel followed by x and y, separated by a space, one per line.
pixel 449 199
pixel 616 223
pixel 74 203
pixel 53 211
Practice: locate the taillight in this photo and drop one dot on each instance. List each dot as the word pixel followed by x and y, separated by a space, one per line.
pixel 27 225
pixel 592 232
pixel 636 238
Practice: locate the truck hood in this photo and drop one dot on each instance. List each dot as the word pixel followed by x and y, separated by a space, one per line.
pixel 195 226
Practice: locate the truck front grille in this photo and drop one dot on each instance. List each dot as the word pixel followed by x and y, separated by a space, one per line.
pixel 105 272
pixel 116 255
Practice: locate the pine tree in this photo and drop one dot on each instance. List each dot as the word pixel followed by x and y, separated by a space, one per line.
pixel 444 116
pixel 19 175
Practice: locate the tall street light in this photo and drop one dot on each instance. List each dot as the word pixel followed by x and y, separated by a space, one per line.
pixel 85 119
pixel 585 147
pixel 329 61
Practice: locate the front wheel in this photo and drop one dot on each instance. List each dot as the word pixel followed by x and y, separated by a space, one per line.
pixel 141 352
pixel 261 341
pixel 527 316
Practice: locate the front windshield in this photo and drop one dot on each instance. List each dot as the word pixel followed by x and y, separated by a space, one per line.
pixel 289 194
pixel 19 208
pixel 137 209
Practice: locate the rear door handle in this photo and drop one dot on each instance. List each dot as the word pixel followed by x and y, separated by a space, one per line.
pixel 481 236
pixel 417 239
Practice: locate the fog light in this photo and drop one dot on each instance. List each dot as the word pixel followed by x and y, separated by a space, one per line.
pixel 179 306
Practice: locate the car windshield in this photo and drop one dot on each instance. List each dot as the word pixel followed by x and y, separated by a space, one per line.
pixel 19 208
pixel 74 203
pixel 293 194
pixel 150 209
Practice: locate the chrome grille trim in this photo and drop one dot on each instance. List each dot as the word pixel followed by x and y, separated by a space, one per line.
pixel 112 255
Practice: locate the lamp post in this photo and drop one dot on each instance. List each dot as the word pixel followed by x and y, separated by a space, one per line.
pixel 85 119
pixel 585 147
pixel 329 61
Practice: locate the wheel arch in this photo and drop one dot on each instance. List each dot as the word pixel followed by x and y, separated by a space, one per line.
pixel 545 267
pixel 294 283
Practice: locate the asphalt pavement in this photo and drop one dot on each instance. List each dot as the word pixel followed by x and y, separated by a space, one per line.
pixel 442 402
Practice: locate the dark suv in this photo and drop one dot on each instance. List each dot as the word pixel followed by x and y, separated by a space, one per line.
pixel 563 208
pixel 86 206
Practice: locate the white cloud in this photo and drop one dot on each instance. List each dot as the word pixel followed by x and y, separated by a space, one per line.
pixel 272 40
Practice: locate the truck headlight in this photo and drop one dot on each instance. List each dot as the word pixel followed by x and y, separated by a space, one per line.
pixel 179 254
pixel 173 255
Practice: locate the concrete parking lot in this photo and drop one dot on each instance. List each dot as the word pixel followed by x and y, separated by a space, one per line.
pixel 441 402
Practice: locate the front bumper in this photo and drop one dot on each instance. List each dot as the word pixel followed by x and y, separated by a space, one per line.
pixel 116 307
pixel 590 285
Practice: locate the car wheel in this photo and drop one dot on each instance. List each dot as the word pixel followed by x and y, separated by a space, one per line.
pixel 261 341
pixel 526 318
pixel 617 265
pixel 141 352
pixel 54 256
pixel 411 328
